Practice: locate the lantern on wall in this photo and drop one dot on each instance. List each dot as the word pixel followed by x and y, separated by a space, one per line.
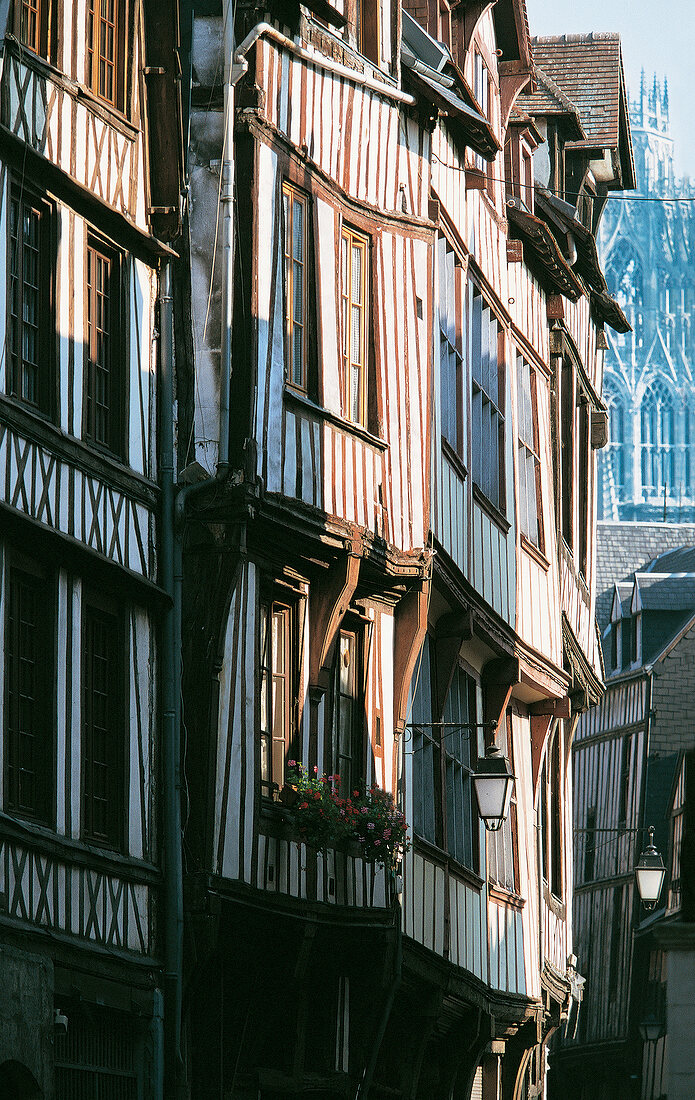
pixel 650 872
pixel 494 783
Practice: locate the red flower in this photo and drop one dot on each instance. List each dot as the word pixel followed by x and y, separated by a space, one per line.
pixel 317 795
pixel 304 806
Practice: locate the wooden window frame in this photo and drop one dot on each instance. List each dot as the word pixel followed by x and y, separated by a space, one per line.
pixel 452 343
pixel 350 766
pixel 98 611
pixel 351 239
pixel 290 196
pixel 109 435
pixel 450 760
pixel 277 724
pixel 442 759
pixel 368 29
pixel 567 451
pixel 490 483
pixel 583 488
pixel 502 844
pixel 529 453
pixel 552 805
pixel 35 34
pixel 24 201
pixel 95 61
pixel 21 571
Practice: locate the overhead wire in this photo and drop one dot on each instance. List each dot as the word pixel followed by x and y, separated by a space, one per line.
pixel 560 194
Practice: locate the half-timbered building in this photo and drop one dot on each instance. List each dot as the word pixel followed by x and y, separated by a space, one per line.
pixel 88 103
pixel 388 535
pixel 629 763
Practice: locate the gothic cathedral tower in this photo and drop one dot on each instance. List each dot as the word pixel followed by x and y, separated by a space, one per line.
pixel 648 468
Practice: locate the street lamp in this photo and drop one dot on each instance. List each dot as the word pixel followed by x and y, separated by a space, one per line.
pixel 650 1029
pixel 650 872
pixel 493 782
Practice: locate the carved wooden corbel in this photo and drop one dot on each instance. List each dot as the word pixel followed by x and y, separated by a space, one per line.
pixel 542 715
pixel 499 679
pixel 450 631
pixel 410 627
pixel 329 600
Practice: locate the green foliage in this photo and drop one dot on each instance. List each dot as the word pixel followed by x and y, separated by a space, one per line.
pixel 325 819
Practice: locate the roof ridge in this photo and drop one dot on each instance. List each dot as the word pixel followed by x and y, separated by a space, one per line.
pixel 590 36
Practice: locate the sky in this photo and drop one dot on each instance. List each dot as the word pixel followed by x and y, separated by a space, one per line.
pixel 657 35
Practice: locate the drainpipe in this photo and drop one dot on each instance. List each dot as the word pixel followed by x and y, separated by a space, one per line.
pixel 173 876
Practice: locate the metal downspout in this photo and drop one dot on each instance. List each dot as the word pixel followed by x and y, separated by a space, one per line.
pixel 173 875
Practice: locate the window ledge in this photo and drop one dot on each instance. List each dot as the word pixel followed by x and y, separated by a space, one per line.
pixel 505 897
pixel 76 851
pixel 297 398
pixel 534 552
pixel 491 510
pixel 454 458
pixel 430 851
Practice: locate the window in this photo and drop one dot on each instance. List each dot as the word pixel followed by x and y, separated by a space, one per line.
pixel 443 757
pixel 98 1054
pixel 500 844
pixel 590 845
pixel 104 382
pixel 106 49
pixel 583 483
pixel 295 210
pixel 567 451
pixel 451 346
pixel 443 22
pixel 461 818
pixel 367 24
pixel 277 694
pixel 28 748
pixel 425 750
pixel 32 25
pixel 482 88
pixel 625 771
pixel 530 504
pixel 29 289
pixel 103 741
pixel 552 779
pixel 488 435
pixel 347 729
pixel 354 295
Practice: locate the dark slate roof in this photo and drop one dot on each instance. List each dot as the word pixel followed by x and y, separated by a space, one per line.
pixel 550 100
pixel 622 548
pixel 666 593
pixel 587 68
pixel 681 560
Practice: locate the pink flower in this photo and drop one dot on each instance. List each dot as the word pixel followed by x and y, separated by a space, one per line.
pixel 377 843
pixel 316 770
pixel 364 809
pixel 292 763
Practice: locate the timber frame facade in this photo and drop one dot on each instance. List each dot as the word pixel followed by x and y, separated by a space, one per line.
pixel 89 102
pixel 393 527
